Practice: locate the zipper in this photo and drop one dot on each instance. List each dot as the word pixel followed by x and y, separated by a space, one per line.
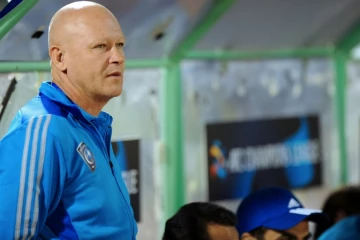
pixel 112 168
pixel 107 156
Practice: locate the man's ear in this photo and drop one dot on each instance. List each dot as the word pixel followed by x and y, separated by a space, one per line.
pixel 247 236
pixel 57 58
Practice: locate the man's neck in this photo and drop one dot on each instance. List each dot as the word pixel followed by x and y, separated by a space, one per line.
pixel 89 105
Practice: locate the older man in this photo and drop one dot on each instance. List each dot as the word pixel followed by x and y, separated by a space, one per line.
pixel 58 174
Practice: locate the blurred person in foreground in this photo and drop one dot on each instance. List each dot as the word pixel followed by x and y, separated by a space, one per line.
pixel 343 209
pixel 201 221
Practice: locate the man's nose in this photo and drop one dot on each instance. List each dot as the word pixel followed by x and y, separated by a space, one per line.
pixel 117 55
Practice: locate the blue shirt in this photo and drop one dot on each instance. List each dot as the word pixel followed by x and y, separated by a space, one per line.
pixel 59 178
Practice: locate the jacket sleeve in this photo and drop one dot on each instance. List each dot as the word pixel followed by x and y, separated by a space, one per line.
pixel 31 178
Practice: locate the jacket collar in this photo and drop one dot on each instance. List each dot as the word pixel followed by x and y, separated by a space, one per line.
pixel 52 92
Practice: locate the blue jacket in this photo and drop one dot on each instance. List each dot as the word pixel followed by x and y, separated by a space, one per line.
pixel 59 178
pixel 346 229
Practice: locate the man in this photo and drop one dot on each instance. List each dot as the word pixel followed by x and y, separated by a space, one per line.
pixel 201 221
pixel 58 174
pixel 275 214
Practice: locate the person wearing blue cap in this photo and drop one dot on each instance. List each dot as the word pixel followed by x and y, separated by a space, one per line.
pixel 275 214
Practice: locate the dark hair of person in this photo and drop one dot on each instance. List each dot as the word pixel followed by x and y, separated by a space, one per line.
pixel 192 220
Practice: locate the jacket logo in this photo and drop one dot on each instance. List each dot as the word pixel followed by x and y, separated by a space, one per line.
pixel 87 155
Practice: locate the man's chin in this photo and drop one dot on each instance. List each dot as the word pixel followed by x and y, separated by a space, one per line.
pixel 109 94
pixel 118 92
pixel 115 88
pixel 115 92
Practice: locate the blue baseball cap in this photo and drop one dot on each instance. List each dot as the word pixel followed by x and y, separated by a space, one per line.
pixel 274 208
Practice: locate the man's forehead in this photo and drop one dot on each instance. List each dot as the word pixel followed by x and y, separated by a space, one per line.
pixel 84 14
pixel 83 11
pixel 82 20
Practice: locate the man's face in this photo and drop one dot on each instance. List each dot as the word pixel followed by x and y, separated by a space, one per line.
pixel 94 55
pixel 220 232
pixel 299 232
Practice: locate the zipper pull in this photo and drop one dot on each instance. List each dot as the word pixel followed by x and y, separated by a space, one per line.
pixel 112 167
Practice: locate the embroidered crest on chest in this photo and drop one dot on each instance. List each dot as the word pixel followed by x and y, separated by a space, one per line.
pixel 87 155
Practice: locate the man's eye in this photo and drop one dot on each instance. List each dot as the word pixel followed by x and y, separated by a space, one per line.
pixel 101 46
pixel 120 44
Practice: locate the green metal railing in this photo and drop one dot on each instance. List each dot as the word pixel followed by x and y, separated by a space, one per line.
pixel 248 55
pixel 13 17
pixel 45 65
pixel 340 59
pixel 172 119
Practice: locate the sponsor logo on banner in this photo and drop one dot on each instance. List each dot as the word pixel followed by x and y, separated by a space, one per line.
pixel 245 156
